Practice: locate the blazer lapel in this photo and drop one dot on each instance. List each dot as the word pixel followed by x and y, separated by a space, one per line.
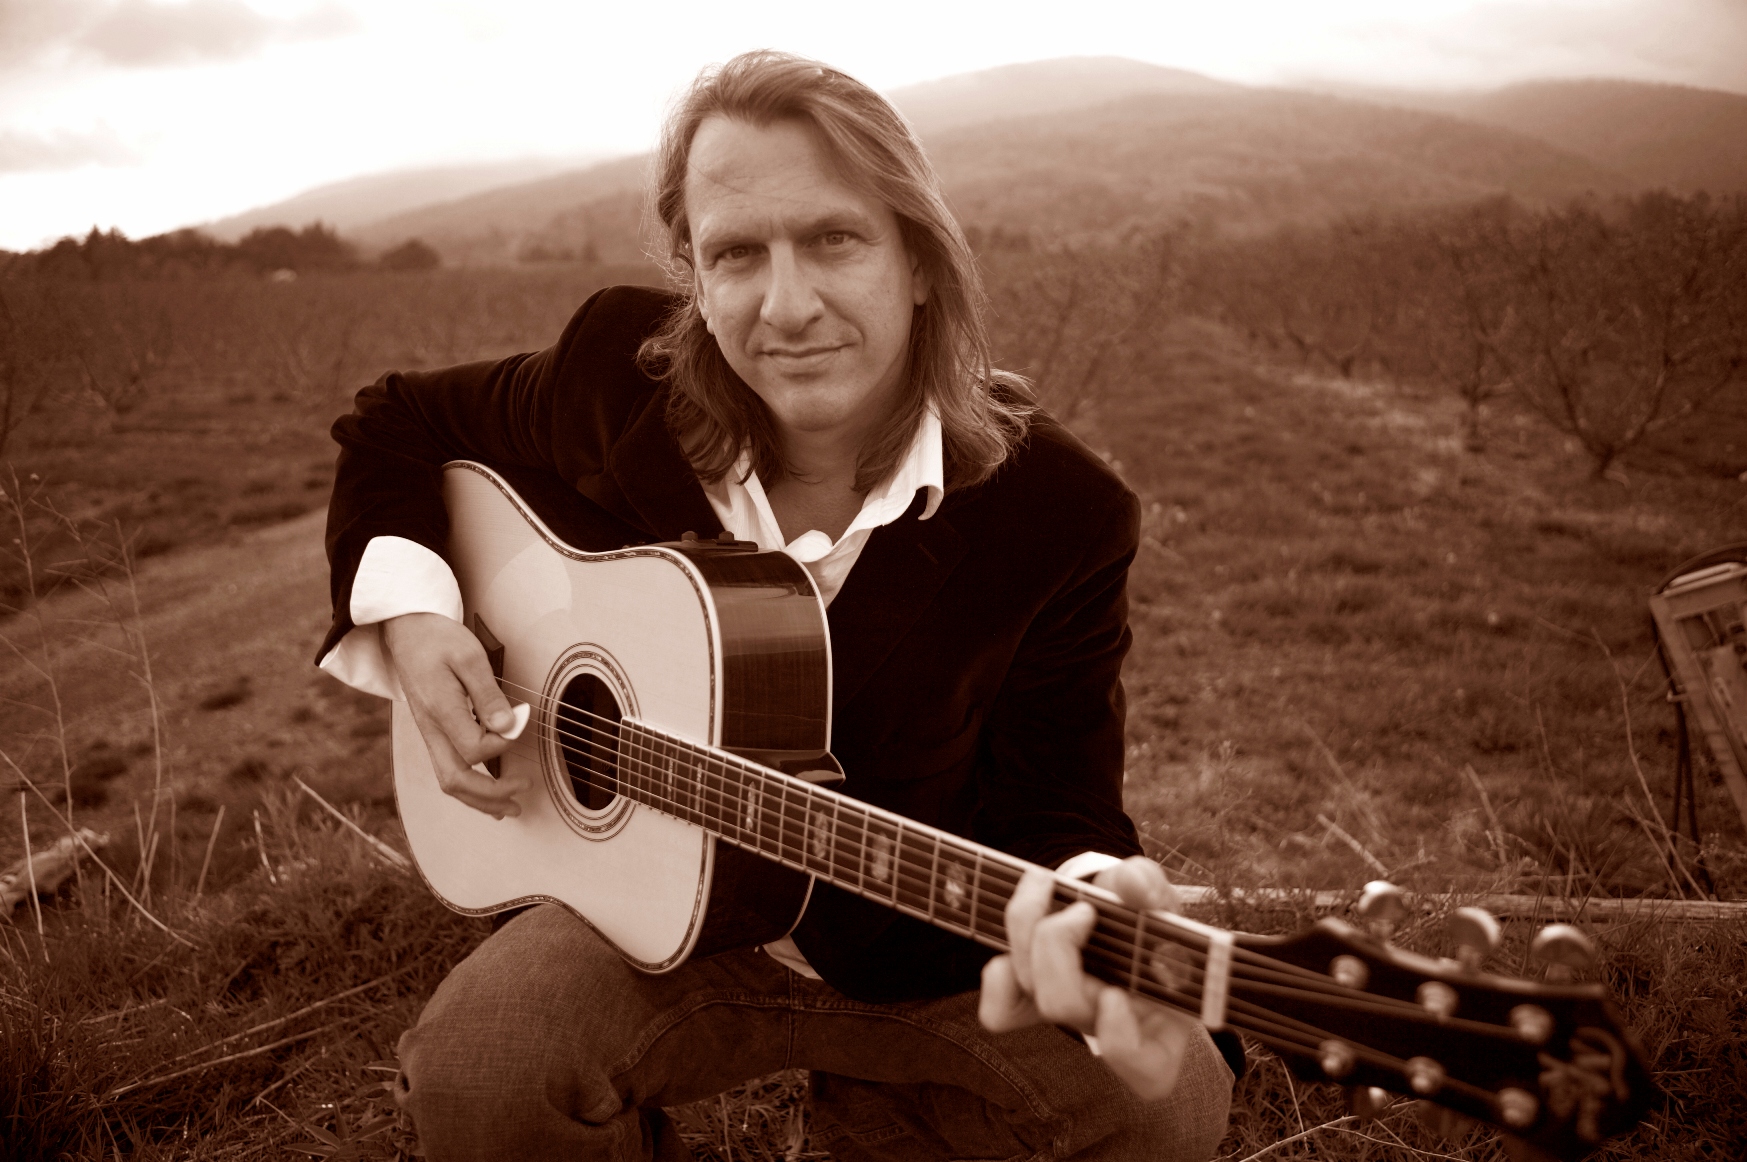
pixel 901 568
pixel 657 483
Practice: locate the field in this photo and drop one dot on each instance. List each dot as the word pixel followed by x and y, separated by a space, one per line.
pixel 1357 644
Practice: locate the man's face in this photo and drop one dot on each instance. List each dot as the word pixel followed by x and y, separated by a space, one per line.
pixel 805 282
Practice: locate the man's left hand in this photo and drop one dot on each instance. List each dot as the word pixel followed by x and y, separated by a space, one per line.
pixel 1041 979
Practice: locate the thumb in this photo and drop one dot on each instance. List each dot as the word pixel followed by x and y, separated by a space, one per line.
pixel 489 704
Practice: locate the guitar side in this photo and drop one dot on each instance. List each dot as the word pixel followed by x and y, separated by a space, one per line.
pixel 701 647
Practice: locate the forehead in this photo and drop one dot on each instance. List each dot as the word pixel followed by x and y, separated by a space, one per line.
pixel 741 176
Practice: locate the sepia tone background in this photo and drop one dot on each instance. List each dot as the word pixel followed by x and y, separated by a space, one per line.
pixel 1424 346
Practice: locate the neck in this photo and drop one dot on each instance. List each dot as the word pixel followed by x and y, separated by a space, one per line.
pixel 822 457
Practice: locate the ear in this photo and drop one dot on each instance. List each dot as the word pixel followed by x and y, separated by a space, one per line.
pixel 920 283
pixel 702 301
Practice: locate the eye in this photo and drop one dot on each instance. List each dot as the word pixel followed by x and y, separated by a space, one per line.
pixel 836 238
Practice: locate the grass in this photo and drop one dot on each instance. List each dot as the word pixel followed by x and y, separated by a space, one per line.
pixel 1341 618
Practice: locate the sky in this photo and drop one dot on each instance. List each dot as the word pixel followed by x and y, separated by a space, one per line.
pixel 145 115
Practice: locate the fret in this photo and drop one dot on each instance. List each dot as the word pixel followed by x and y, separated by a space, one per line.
pixel 685 774
pixel 933 878
pixel 1139 946
pixel 976 892
pixel 672 784
pixel 913 859
pixel 879 857
pixel 852 849
pixel 820 834
pixel 713 777
pixel 630 764
pixel 793 825
pixel 954 880
pixel 733 791
pixel 752 811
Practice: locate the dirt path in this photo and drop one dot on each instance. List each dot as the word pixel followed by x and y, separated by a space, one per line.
pixel 231 630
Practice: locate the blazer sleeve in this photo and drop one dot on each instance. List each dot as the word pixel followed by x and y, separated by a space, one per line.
pixel 1050 783
pixel 534 410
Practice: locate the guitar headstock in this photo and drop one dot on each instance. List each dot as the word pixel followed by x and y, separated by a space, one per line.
pixel 1548 1062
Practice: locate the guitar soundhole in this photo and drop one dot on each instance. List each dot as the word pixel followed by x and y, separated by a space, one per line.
pixel 588 734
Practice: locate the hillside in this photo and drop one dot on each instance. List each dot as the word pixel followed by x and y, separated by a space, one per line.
pixel 1038 88
pixel 1660 135
pixel 1239 159
pixel 564 212
pixel 1233 157
pixel 1670 136
pixel 346 205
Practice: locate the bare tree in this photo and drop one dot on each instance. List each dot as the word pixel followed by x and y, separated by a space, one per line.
pixel 1626 324
pixel 1075 320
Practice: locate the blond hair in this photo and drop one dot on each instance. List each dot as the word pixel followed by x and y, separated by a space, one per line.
pixel 983 411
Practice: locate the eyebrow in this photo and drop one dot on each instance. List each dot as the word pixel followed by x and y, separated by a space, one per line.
pixel 840 219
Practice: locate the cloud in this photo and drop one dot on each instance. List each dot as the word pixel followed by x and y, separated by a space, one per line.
pixel 147 33
pixel 1695 42
pixel 63 150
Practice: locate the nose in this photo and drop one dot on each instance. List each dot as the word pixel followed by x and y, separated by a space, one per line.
pixel 791 301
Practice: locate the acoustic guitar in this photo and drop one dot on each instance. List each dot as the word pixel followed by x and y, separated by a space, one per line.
pixel 679 751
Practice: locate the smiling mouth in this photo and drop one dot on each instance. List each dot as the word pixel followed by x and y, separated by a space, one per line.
pixel 800 354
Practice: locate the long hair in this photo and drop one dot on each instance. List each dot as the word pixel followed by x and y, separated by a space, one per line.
pixel 983 412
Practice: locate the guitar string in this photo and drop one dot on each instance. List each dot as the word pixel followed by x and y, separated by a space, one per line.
pixel 1285 1034
pixel 701 799
pixel 1289 969
pixel 704 797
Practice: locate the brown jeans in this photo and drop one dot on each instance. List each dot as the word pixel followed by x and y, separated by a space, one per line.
pixel 545 1044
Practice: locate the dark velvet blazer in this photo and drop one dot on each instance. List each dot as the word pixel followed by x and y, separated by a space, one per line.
pixel 976 655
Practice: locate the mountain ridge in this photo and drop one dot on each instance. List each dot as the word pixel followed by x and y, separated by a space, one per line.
pixel 1082 145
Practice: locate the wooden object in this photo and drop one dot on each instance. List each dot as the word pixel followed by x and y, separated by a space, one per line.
pixel 1700 618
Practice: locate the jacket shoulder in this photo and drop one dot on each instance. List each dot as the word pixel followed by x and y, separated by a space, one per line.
pixel 614 321
pixel 1057 486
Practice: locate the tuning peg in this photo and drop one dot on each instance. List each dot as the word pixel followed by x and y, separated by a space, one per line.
pixel 1517 1108
pixel 1337 1058
pixel 1367 1101
pixel 1438 999
pixel 1349 971
pixel 1382 908
pixel 1566 951
pixel 1424 1075
pixel 1477 935
pixel 1532 1023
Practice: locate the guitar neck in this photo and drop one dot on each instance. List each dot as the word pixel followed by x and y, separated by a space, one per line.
pixel 942 879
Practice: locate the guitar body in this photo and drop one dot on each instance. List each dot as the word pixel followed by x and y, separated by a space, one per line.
pixel 713 643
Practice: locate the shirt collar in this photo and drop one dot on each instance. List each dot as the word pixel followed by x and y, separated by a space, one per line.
pixel 922 469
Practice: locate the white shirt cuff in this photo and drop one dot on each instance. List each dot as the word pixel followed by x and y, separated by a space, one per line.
pixel 1086 865
pixel 395 576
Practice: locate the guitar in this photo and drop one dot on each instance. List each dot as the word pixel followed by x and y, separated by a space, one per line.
pixel 679 750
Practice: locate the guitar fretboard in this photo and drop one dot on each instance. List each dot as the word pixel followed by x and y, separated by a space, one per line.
pixel 932 875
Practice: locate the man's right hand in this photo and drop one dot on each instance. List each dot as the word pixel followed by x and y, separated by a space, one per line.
pixel 448 681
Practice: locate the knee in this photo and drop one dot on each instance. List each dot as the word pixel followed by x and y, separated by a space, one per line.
pixel 506 1035
pixel 1190 1122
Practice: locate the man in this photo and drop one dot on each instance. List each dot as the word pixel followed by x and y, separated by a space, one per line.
pixel 821 384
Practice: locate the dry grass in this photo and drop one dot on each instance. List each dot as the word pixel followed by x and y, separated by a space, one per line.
pixel 1338 615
